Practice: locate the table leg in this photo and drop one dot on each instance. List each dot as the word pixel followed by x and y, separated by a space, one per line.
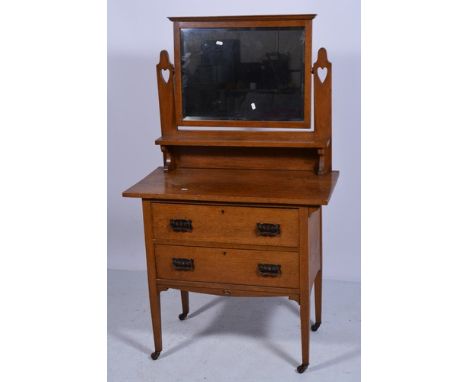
pixel 305 331
pixel 155 303
pixel 318 301
pixel 185 305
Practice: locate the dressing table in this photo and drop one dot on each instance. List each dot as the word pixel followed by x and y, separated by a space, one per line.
pixel 236 210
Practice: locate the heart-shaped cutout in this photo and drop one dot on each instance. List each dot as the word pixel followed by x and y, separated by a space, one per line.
pixel 322 74
pixel 165 73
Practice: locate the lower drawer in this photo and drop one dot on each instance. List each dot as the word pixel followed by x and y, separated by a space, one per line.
pixel 234 266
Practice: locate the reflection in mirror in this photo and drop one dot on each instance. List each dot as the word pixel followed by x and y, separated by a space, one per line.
pixel 253 74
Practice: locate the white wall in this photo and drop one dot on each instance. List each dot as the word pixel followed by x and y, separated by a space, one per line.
pixel 138 30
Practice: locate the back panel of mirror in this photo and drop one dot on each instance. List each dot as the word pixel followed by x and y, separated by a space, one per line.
pixel 243 74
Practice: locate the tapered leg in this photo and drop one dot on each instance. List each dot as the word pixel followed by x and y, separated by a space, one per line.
pixel 318 285
pixel 318 301
pixel 154 292
pixel 155 304
pixel 185 305
pixel 305 332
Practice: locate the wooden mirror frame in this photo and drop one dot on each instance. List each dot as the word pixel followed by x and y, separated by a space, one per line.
pixel 304 21
pixel 312 148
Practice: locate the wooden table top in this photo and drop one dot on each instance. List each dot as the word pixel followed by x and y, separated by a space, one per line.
pixel 238 186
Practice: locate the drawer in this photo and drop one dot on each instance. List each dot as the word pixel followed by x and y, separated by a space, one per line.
pixel 231 266
pixel 225 224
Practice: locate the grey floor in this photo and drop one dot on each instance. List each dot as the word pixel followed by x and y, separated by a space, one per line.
pixel 229 339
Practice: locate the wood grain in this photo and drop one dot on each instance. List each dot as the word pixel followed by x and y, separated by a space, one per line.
pixel 323 108
pixel 166 106
pixel 304 284
pixel 235 266
pixel 229 290
pixel 255 158
pixel 154 292
pixel 218 244
pixel 315 240
pixel 244 139
pixel 166 94
pixel 225 182
pixel 238 186
pixel 225 224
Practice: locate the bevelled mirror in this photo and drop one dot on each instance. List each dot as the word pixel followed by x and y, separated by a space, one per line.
pixel 243 75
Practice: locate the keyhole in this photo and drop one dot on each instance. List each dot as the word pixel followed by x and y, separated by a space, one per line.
pixel 224 253
pixel 222 211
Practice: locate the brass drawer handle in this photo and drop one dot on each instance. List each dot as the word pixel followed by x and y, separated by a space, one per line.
pixel 269 270
pixel 183 264
pixel 181 225
pixel 267 229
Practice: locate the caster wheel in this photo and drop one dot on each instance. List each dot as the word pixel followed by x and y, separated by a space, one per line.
pixel 155 355
pixel 315 326
pixel 301 368
pixel 182 316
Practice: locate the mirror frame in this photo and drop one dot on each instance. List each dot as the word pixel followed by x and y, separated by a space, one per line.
pixel 251 22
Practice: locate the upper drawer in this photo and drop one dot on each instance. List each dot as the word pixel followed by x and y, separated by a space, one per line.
pixel 226 224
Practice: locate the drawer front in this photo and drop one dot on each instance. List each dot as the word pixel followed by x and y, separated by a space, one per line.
pixel 232 266
pixel 225 224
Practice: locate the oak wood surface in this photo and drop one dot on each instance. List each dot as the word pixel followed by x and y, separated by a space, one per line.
pixel 235 266
pixel 225 224
pixel 218 244
pixel 243 139
pixel 225 182
pixel 314 237
pixel 323 107
pixel 238 186
pixel 184 296
pixel 318 277
pixel 304 285
pixel 318 297
pixel 319 139
pixel 242 290
pixel 154 293
pixel 258 158
pixel 244 17
pixel 166 94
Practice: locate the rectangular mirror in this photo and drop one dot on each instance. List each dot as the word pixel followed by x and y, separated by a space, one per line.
pixel 243 76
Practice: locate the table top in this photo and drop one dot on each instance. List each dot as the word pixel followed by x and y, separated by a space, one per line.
pixel 302 188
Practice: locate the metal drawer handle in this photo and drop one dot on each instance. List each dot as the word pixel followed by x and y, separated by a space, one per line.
pixel 267 229
pixel 183 264
pixel 181 225
pixel 269 270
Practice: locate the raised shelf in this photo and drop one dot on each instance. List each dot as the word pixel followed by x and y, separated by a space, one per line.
pixel 225 142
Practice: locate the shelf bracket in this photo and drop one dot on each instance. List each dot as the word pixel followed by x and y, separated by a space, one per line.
pixel 168 157
pixel 321 170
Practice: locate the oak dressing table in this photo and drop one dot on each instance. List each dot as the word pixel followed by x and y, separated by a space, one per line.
pixel 237 208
